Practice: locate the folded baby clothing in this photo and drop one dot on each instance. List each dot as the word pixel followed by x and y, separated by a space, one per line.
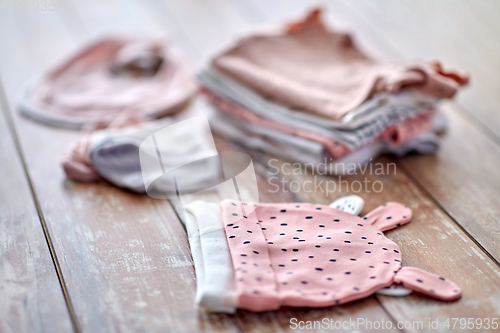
pixel 140 75
pixel 313 84
pixel 362 126
pixel 122 153
pixel 312 153
pixel 311 68
pixel 299 255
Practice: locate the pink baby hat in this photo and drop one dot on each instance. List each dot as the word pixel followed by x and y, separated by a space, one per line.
pixel 308 255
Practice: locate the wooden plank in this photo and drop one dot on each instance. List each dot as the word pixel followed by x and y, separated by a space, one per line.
pixel 209 32
pixel 32 298
pixel 469 179
pixel 125 257
pixel 92 19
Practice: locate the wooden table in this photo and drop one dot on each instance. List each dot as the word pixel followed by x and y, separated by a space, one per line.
pixel 95 258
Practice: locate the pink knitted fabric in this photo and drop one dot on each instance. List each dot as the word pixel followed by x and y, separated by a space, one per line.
pixel 314 256
pixel 311 68
pixel 398 134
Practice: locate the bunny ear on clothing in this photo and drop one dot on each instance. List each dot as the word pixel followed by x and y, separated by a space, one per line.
pixel 389 216
pixel 428 283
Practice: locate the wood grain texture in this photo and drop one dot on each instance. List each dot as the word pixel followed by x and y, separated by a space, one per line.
pixel 125 257
pixel 464 178
pixel 31 296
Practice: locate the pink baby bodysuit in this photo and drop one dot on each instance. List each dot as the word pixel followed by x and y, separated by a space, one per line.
pixel 308 255
pixel 313 69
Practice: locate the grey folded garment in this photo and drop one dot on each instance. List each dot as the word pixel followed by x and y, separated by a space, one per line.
pixel 358 128
pixel 266 140
pixel 161 157
pixel 117 158
pixel 313 154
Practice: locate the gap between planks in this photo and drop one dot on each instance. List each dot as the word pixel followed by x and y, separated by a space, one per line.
pixel 4 105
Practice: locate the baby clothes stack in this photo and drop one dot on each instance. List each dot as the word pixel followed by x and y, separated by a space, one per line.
pixel 260 257
pixel 308 94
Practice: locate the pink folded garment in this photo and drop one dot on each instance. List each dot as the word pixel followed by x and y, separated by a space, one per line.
pixel 311 68
pixel 112 75
pixel 308 255
pixel 397 135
